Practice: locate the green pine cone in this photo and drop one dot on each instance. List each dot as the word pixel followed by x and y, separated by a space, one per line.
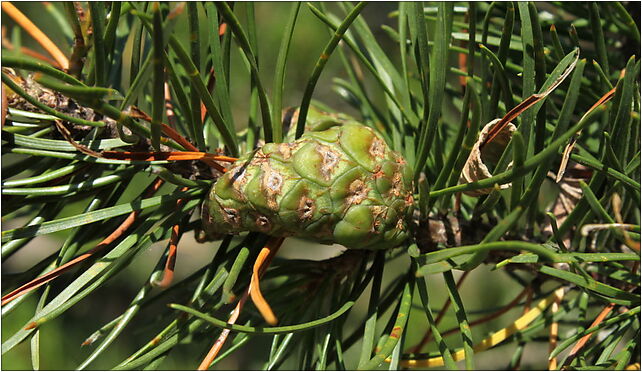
pixel 339 183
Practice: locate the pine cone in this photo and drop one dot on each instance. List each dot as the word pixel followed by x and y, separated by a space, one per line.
pixel 339 183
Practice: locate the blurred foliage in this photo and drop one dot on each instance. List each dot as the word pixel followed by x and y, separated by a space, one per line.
pixel 428 76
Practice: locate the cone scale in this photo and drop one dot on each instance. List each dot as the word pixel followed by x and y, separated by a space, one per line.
pixel 339 183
